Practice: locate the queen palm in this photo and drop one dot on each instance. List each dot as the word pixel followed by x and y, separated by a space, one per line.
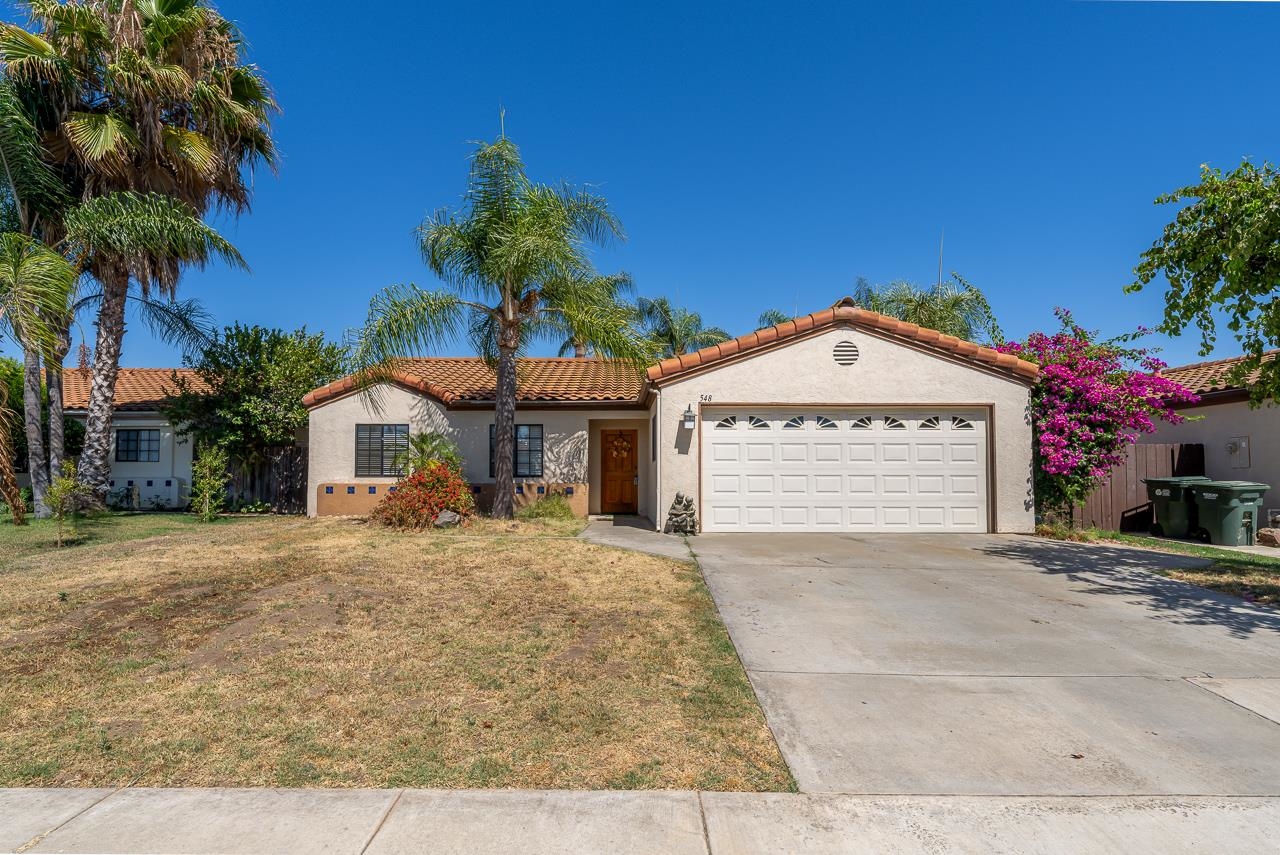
pixel 151 97
pixel 955 307
pixel 35 282
pixel 515 260
pixel 771 318
pixel 672 330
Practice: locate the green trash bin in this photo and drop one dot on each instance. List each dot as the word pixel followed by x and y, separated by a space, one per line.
pixel 1229 510
pixel 1172 504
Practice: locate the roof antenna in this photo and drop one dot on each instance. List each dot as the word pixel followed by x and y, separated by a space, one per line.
pixel 941 239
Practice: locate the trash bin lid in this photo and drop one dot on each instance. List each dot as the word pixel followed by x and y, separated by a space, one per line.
pixel 1176 479
pixel 1234 485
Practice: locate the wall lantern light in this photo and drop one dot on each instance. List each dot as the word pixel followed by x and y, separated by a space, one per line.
pixel 690 418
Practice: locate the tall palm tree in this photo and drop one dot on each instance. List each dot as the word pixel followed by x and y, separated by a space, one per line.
pixel 141 96
pixel 771 318
pixel 955 307
pixel 35 282
pixel 673 330
pixel 515 258
pixel 616 286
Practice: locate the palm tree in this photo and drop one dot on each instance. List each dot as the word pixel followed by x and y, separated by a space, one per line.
pixel 617 286
pixel 147 97
pixel 955 307
pixel 35 282
pixel 672 330
pixel 516 262
pixel 771 318
pixel 426 447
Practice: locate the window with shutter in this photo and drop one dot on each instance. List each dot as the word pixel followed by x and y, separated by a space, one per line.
pixel 527 452
pixel 377 450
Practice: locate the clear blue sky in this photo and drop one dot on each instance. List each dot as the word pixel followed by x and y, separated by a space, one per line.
pixel 759 155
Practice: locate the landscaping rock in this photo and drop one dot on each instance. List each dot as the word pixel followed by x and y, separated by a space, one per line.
pixel 447 519
pixel 1268 537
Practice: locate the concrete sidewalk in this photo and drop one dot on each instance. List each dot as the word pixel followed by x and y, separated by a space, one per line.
pixel 636 534
pixel 531 822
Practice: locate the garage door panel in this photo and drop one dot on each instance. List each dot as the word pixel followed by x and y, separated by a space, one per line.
pixel 845 469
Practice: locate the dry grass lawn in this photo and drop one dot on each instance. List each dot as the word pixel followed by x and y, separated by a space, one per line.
pixel 291 652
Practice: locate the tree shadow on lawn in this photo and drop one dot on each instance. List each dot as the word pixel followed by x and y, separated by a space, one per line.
pixel 1133 574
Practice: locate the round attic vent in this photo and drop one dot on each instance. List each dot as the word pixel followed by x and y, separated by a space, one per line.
pixel 845 353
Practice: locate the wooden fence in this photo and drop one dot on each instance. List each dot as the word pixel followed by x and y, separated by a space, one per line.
pixel 1121 503
pixel 279 479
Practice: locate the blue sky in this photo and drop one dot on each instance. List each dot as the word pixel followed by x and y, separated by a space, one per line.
pixel 759 155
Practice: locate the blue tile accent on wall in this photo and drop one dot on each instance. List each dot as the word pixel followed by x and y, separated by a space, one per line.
pixel 113 483
pixel 351 491
pixel 568 491
pixel 329 490
pixel 391 489
pixel 130 484
pixel 168 483
pixel 149 484
pixel 475 488
pixel 541 490
pixel 519 489
pixel 373 491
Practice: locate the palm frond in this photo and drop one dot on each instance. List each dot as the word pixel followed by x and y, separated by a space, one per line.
pixel 403 320
pixel 100 138
pixel 35 286
pixel 192 148
pixel 35 189
pixel 29 57
pixel 771 318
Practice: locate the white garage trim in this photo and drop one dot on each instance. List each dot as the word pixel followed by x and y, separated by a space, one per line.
pixel 846 467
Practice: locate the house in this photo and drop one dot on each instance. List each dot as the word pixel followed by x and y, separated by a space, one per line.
pixel 150 462
pixel 842 420
pixel 1240 443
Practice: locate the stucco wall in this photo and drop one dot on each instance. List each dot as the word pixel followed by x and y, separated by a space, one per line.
pixel 331 436
pixel 887 372
pixel 174 464
pixel 1221 423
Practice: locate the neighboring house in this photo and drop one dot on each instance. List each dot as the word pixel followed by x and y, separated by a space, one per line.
pixel 843 420
pixel 150 463
pixel 1240 443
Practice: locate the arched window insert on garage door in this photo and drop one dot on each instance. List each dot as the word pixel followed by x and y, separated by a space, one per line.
pixel 959 423
pixel 757 423
pixel 890 423
pixel 794 423
pixel 860 423
pixel 931 423
pixel 824 423
pixel 727 423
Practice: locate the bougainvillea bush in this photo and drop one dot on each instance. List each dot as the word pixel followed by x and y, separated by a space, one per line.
pixel 1093 399
pixel 419 498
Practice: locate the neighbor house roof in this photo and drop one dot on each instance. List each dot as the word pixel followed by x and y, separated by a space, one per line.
pixel 137 389
pixel 1207 377
pixel 463 380
pixel 844 314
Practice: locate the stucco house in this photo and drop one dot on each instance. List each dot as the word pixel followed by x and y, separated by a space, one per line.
pixel 150 463
pixel 842 420
pixel 1240 443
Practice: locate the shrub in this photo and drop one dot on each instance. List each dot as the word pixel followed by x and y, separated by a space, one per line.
pixel 553 506
pixel 66 495
pixel 419 498
pixel 209 482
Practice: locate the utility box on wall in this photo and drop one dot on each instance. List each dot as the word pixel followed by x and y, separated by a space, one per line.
pixel 1238 452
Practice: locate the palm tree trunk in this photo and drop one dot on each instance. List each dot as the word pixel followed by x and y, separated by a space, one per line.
pixel 504 430
pixel 33 409
pixel 53 383
pixel 9 489
pixel 95 464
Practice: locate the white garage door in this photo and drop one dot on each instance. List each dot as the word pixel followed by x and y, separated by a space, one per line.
pixel 858 469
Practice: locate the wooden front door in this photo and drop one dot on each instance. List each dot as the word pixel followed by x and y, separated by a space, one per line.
pixel 618 471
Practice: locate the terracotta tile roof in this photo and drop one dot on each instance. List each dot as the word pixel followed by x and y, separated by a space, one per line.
pixel 137 389
pixel 1202 377
pixel 844 313
pixel 463 380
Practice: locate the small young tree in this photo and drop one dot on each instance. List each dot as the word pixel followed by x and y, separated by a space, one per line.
pixel 209 482
pixel 66 495
pixel 426 447
pixel 1093 398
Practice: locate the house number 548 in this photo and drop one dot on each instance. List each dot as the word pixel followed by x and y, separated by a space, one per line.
pixel 704 398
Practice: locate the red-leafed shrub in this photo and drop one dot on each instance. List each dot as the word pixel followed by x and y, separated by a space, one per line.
pixel 419 498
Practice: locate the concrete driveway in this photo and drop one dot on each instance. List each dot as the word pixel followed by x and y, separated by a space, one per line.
pixel 999 665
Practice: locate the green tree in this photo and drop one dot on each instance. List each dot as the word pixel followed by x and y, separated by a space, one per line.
pixel 256 380
pixel 152 98
pixel 515 258
pixel 67 494
pixel 671 330
pixel 426 447
pixel 771 318
pixel 209 480
pixel 954 307
pixel 1221 255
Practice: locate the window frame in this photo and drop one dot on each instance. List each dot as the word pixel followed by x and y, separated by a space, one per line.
pixel 135 450
pixel 386 465
pixel 515 452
